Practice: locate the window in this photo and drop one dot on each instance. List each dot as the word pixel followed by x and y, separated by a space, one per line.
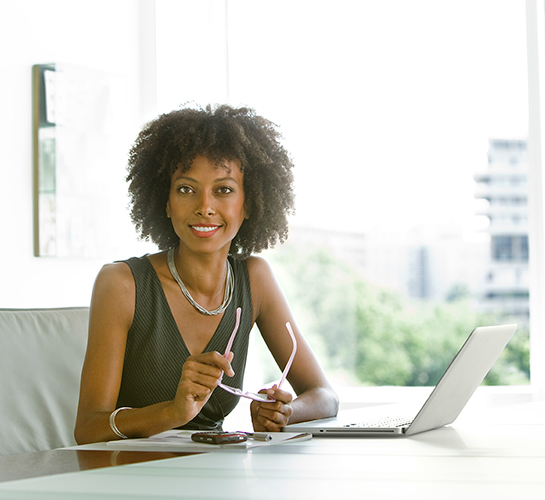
pixel 389 114
pixel 502 247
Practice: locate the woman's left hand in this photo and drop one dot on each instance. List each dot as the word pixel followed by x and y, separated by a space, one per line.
pixel 272 417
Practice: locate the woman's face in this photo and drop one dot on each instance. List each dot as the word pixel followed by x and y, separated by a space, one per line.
pixel 206 204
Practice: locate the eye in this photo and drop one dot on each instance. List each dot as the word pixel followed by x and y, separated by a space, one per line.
pixel 185 189
pixel 225 190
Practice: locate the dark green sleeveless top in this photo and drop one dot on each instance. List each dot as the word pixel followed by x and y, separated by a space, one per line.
pixel 156 351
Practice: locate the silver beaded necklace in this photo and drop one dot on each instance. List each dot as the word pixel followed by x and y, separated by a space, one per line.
pixel 227 296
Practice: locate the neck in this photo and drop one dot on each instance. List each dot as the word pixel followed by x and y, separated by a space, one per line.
pixel 202 304
pixel 202 275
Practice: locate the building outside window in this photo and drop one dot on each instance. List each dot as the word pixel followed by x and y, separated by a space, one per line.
pixel 503 184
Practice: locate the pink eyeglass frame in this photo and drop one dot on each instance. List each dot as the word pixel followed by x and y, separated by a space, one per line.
pixel 264 398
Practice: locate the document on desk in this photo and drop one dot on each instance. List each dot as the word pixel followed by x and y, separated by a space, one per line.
pixel 180 440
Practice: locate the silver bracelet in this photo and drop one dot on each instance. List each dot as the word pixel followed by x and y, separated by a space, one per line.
pixel 112 421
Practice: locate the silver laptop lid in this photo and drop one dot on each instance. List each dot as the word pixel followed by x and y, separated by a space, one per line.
pixel 464 374
pixel 460 380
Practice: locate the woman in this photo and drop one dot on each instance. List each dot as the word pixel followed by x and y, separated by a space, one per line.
pixel 210 187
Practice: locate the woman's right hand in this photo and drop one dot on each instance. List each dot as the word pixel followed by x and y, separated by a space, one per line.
pixel 201 374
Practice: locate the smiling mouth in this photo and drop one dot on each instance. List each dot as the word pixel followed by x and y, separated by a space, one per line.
pixel 204 229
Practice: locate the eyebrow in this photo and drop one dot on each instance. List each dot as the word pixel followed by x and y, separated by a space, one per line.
pixel 219 179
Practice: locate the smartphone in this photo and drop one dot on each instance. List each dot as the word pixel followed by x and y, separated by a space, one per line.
pixel 219 437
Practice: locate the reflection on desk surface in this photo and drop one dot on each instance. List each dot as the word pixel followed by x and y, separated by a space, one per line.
pixel 44 463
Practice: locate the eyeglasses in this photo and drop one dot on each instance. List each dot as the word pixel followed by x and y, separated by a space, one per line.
pixel 252 395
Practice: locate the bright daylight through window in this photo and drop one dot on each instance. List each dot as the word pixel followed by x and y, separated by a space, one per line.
pixel 408 124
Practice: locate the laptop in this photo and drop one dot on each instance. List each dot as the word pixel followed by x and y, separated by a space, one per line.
pixel 464 374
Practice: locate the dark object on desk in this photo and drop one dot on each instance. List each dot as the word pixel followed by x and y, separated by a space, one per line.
pixel 219 437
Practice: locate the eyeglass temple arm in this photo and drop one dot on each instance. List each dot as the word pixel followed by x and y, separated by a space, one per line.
pixel 290 361
pixel 232 337
pixel 293 352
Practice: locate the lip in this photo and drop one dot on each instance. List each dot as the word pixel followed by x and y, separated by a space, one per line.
pixel 204 230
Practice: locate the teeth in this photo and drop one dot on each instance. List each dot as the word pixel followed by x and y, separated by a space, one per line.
pixel 203 229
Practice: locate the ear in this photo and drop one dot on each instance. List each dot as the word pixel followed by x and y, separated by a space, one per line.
pixel 246 211
pixel 168 209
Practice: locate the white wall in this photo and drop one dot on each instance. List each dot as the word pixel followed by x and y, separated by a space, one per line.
pixel 102 35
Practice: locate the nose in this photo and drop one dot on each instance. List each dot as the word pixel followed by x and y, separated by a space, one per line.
pixel 205 205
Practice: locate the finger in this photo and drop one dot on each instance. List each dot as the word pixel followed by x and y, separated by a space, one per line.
pixel 278 411
pixel 267 420
pixel 279 395
pixel 195 392
pixel 254 409
pixel 266 424
pixel 279 416
pixel 205 381
pixel 194 369
pixel 199 374
pixel 192 392
pixel 216 359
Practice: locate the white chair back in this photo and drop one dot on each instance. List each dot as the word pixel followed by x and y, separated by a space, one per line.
pixel 41 356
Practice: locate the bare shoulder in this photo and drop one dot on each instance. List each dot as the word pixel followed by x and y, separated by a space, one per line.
pixel 261 274
pixel 258 266
pixel 116 275
pixel 267 294
pixel 114 293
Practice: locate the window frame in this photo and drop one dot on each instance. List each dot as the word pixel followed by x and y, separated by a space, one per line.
pixel 535 33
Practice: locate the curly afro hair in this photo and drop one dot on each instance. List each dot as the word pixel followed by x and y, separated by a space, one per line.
pixel 174 139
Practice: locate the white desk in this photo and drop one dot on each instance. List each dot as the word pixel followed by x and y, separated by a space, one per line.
pixel 470 459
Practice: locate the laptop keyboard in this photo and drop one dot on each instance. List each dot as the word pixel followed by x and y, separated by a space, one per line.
pixel 383 422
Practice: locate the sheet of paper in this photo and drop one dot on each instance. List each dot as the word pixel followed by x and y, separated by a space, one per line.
pixel 180 440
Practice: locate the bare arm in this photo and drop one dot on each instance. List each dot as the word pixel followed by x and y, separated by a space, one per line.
pixel 315 396
pixel 111 315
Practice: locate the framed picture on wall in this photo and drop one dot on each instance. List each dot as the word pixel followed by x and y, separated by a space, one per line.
pixel 79 160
